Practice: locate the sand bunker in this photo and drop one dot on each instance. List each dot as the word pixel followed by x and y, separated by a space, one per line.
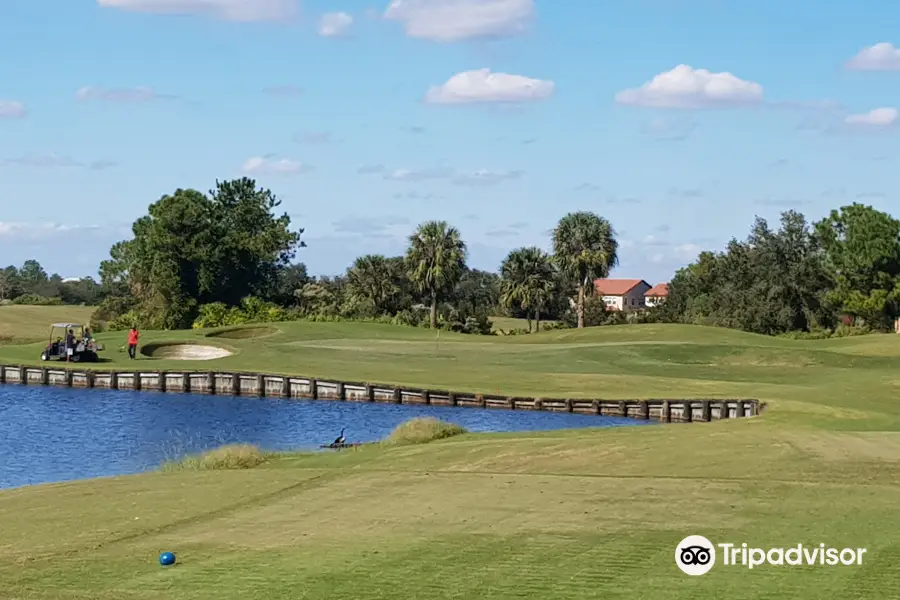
pixel 189 352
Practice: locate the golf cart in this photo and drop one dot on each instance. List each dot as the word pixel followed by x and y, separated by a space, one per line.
pixel 83 350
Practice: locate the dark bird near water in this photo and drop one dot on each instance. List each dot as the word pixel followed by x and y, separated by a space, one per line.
pixel 340 438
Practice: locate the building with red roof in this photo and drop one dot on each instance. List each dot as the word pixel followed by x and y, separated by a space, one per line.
pixel 657 294
pixel 630 294
pixel 622 294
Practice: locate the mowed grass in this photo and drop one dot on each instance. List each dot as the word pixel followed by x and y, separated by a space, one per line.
pixel 509 323
pixel 558 515
pixel 22 324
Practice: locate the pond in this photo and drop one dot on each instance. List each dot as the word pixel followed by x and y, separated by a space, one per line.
pixel 59 434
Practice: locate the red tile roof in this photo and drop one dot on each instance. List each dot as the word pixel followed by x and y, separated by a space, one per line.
pixel 617 287
pixel 660 290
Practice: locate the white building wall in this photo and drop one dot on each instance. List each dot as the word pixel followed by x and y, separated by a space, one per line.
pixel 614 302
pixel 654 300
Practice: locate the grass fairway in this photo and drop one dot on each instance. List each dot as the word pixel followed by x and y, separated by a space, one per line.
pixel 20 324
pixel 551 516
pixel 509 323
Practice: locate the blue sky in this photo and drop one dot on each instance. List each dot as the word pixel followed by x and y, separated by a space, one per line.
pixel 678 120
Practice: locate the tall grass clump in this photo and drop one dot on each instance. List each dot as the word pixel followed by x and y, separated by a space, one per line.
pixel 422 430
pixel 231 457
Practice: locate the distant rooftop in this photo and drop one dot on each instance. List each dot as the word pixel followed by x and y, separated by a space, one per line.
pixel 617 287
pixel 660 290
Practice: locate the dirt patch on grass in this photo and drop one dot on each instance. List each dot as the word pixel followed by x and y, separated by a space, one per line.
pixel 184 351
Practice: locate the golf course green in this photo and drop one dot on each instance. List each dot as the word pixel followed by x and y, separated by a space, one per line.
pixel 553 515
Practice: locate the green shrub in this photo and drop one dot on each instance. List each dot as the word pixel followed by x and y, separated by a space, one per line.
pixel 595 313
pixel 98 326
pixel 421 431
pixel 231 457
pixel 124 321
pixel 515 331
pixel 211 316
pixel 850 331
pixel 410 318
pixel 36 300
pixel 820 333
pixel 452 319
pixel 112 307
pixel 251 310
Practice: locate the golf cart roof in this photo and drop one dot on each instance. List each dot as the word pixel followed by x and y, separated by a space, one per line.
pixel 66 325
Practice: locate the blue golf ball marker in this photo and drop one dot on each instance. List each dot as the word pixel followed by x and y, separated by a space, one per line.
pixel 166 559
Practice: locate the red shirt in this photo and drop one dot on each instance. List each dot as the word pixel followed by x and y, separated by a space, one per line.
pixel 133 337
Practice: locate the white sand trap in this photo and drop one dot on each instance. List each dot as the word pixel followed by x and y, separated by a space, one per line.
pixel 192 352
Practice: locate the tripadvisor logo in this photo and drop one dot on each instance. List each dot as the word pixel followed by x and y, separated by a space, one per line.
pixel 696 555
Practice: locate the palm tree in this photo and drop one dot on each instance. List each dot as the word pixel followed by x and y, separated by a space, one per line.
pixel 436 260
pixel 527 280
pixel 370 279
pixel 585 249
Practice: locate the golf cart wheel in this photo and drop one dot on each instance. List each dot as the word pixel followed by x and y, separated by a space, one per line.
pixel 44 356
pixel 75 358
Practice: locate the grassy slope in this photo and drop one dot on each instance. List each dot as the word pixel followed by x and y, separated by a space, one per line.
pixel 508 323
pixel 577 514
pixel 19 324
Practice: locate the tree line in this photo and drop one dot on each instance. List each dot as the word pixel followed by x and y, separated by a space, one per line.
pixel 31 284
pixel 840 275
pixel 227 257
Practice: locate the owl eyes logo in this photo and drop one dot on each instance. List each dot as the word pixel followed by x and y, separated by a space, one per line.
pixel 695 555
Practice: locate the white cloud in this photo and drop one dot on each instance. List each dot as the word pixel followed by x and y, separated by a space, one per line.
pixel 226 10
pixel 880 57
pixel 652 240
pixel 418 174
pixel 688 251
pixel 39 230
pixel 131 94
pixel 453 20
pixel 680 254
pixel 335 24
pixel 483 86
pixel 877 118
pixel 11 109
pixel 270 165
pixel 686 87
pixel 485 177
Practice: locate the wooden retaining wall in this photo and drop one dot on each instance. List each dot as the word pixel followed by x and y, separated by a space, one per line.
pixel 669 410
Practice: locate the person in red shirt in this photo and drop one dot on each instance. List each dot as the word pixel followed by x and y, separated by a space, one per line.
pixel 133 337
